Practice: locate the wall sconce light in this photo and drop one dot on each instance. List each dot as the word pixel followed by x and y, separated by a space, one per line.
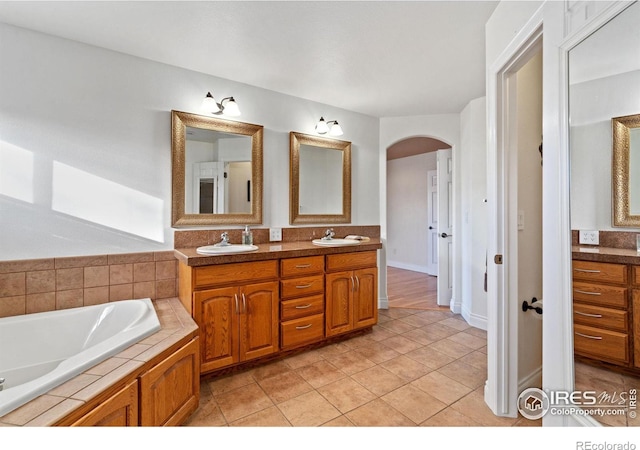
pixel 332 127
pixel 227 105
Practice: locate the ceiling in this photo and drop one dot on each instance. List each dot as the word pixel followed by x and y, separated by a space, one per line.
pixel 380 58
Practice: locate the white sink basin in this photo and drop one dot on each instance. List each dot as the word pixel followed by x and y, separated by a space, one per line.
pixel 335 242
pixel 226 249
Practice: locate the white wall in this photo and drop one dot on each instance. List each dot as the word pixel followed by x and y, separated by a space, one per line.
pixel 473 234
pixel 407 197
pixel 72 113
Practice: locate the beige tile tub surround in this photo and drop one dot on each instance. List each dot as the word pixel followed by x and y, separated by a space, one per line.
pixel 30 286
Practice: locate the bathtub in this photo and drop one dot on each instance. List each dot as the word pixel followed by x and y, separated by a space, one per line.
pixel 43 350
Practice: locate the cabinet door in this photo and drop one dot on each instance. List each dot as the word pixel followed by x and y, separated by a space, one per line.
pixel 365 298
pixel 216 313
pixel 170 391
pixel 339 293
pixel 119 410
pixel 259 319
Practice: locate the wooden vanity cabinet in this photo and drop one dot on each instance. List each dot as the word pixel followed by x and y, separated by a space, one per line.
pixel 601 311
pixel 238 320
pixel 351 292
pixel 302 301
pixel 119 410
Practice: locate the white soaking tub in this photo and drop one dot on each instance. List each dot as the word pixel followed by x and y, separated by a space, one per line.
pixel 43 350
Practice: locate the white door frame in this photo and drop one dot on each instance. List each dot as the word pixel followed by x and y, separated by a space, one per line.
pixel 501 389
pixel 445 227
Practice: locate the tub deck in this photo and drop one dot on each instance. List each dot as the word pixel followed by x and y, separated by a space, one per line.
pixel 177 328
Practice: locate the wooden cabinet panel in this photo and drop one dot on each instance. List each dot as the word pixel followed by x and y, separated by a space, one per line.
pixel 300 307
pixel 600 294
pixel 348 261
pixel 119 410
pixel 596 316
pixel 339 303
pixel 259 320
pixel 295 267
pixel 303 286
pixel 602 344
pixel 600 272
pixel 234 273
pixel 365 304
pixel 635 328
pixel 170 391
pixel 216 313
pixel 302 331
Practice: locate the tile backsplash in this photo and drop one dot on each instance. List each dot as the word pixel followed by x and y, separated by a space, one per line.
pixel 610 239
pixel 30 286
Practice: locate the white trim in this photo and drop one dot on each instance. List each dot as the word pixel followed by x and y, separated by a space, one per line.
pixel 533 379
pixel 405 266
pixel 473 319
pixel 501 389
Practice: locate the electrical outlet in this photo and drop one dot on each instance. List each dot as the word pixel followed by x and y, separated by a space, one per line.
pixel 275 234
pixel 590 237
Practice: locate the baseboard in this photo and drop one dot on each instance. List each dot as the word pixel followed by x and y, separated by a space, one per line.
pixel 383 302
pixel 405 266
pixel 533 380
pixel 473 319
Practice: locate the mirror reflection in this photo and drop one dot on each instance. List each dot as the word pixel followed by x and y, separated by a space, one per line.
pixel 320 189
pixel 604 84
pixel 217 171
pixel 626 170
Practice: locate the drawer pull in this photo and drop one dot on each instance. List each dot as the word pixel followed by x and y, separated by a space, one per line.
pixel 587 270
pixel 237 308
pixel 597 316
pixel 587 293
pixel 303 327
pixel 303 306
pixel 303 266
pixel 597 338
pixel 304 286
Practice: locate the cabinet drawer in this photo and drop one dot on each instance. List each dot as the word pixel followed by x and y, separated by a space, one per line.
pixel 602 344
pixel 234 273
pixel 294 267
pixel 600 294
pixel 299 287
pixel 302 307
pixel 600 272
pixel 599 317
pixel 347 261
pixel 302 331
pixel 635 277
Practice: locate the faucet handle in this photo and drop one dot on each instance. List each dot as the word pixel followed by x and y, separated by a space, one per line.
pixel 329 234
pixel 224 237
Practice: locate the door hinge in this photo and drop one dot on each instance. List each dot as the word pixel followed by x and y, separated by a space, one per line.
pixel 497 259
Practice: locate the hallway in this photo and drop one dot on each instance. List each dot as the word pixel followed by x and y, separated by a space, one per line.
pixel 412 290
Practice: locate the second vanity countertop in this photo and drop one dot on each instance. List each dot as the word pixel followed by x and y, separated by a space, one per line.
pixel 272 250
pixel 606 254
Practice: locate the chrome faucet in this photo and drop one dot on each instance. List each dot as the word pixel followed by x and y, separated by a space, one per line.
pixel 328 234
pixel 224 240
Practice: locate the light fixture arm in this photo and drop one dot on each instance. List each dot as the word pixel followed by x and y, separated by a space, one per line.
pixel 211 105
pixel 332 127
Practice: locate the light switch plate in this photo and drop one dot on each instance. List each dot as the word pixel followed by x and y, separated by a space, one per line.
pixel 589 237
pixel 275 234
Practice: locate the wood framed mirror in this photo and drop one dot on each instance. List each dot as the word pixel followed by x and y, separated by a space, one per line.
pixel 625 171
pixel 216 171
pixel 320 180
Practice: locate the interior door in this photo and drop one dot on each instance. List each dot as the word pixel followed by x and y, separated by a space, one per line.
pixel 445 226
pixel 432 222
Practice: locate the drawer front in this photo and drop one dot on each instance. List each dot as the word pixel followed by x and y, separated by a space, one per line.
pixel 299 287
pixel 599 272
pixel 348 261
pixel 635 277
pixel 603 344
pixel 600 294
pixel 235 273
pixel 302 331
pixel 295 267
pixel 302 307
pixel 599 317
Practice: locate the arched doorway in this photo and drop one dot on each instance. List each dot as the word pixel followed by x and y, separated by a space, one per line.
pixel 412 222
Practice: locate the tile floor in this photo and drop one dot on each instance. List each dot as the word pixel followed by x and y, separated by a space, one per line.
pixel 417 368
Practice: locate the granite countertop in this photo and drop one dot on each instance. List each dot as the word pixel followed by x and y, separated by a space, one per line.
pixel 605 254
pixel 190 257
pixel 177 328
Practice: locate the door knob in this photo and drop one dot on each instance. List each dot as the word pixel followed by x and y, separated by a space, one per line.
pixel 445 235
pixel 431 228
